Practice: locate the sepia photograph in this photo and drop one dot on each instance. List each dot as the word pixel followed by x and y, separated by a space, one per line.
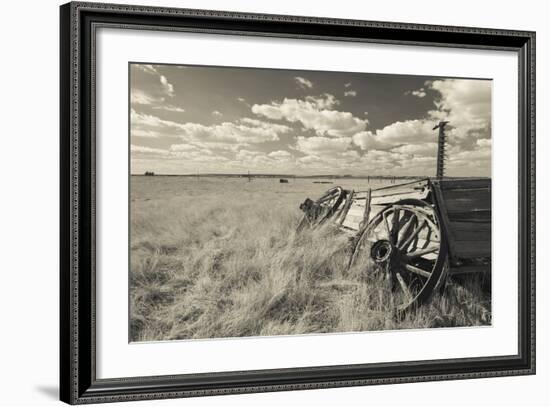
pixel 271 202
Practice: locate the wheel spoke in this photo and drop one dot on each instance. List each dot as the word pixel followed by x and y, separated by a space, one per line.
pixel 417 270
pixel 422 252
pixel 406 228
pixel 415 233
pixel 385 220
pixel 404 287
pixel 395 226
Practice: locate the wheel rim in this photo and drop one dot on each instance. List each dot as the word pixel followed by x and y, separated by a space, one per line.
pixel 406 242
pixel 328 203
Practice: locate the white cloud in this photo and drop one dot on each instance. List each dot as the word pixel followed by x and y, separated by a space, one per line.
pixel 256 160
pixel 303 82
pixel 347 85
pixel 310 159
pixel 419 150
pixel 150 69
pixel 409 132
pixel 242 100
pixel 140 97
pixel 242 131
pixel 136 149
pixel 145 133
pixel 322 146
pixel 193 152
pixel 246 155
pixel 166 86
pixel 385 161
pixel 187 152
pixel 484 143
pixel 188 147
pixel 245 130
pixel 143 121
pixel 367 141
pixel 170 108
pixel 314 114
pixel 350 93
pixel 419 93
pixel 280 155
pixel 216 145
pixel 398 133
pixel 217 113
pixel 466 104
pixel 325 101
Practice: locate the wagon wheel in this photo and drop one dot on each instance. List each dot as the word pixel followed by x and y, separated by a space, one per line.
pixel 406 241
pixel 323 208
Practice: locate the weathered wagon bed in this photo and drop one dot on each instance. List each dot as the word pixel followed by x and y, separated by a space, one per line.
pixel 418 232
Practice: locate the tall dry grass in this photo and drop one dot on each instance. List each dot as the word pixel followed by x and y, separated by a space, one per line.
pixel 217 258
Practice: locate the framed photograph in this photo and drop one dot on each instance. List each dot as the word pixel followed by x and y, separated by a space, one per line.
pixel 255 203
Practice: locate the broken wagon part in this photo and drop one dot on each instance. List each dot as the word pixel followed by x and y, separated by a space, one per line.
pixel 417 232
pixel 319 211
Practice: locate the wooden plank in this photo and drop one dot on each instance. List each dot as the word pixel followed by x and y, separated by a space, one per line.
pixel 345 209
pixel 471 248
pixel 482 268
pixel 397 191
pixel 472 234
pixel 465 226
pixel 483 216
pixel 461 183
pixel 411 184
pixel 467 193
pixel 361 195
pixel 375 210
pixel 468 204
pixel 356 210
pixel 459 200
pixel 470 230
pixel 366 211
pixel 354 218
pixel 438 197
pixel 389 199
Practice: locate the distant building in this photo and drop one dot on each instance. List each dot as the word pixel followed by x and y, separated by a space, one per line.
pixel 149 173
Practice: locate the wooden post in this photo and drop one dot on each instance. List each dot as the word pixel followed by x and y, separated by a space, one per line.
pixel 366 213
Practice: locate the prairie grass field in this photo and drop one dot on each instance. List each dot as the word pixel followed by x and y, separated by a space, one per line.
pixel 214 257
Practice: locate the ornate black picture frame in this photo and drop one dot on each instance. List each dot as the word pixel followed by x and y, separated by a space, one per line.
pixel 78 216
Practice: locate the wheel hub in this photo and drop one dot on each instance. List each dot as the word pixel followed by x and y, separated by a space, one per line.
pixel 382 251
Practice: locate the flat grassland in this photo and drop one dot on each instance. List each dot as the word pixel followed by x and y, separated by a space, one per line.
pixel 214 257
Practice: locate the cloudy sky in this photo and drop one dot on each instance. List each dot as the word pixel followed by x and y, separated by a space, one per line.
pixel 197 119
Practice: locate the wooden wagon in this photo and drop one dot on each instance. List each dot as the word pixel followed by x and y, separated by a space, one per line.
pixel 417 232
